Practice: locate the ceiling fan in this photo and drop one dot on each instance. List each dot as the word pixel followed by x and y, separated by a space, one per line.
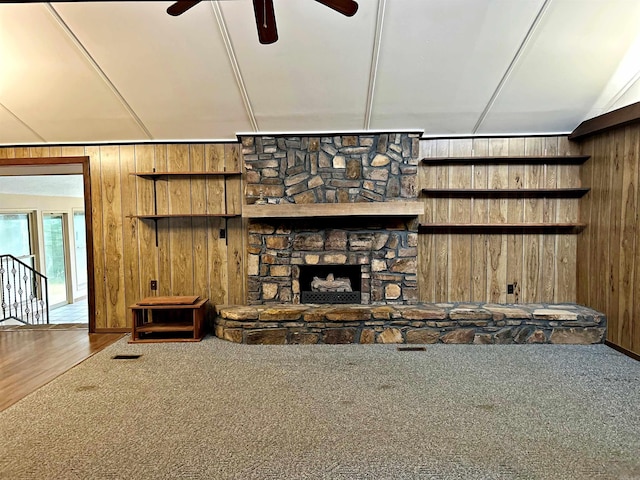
pixel 265 16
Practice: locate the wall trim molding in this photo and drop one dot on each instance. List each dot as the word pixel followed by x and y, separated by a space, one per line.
pixel 622 350
pixel 614 119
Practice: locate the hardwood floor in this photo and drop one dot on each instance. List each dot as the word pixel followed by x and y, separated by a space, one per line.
pixel 31 358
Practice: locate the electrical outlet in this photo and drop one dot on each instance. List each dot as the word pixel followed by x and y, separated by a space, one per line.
pixel 510 289
pixel 154 284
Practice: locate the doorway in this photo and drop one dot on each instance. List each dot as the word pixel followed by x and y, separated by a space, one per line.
pixel 66 237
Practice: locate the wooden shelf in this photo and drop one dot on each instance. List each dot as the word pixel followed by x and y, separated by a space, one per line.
pixel 165 327
pixel 503 228
pixel 511 160
pixel 183 174
pixel 373 209
pixel 154 176
pixel 506 193
pixel 168 322
pixel 185 215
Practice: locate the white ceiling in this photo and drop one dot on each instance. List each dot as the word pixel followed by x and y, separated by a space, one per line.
pixel 83 72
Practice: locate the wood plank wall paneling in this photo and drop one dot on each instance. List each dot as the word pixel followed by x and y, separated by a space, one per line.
pixel 111 183
pixel 566 245
pixel 130 227
pixel 98 238
pixel 608 250
pixel 459 274
pixel 497 244
pixel 478 267
pixel 479 213
pixel 236 229
pixel 148 268
pixel 190 258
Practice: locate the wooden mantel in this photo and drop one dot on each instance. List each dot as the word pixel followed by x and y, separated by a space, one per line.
pixel 363 209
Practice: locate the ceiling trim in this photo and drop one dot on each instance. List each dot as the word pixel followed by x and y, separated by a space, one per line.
pixel 123 142
pixel 494 135
pixel 375 58
pixel 21 122
pixel 103 76
pixel 327 133
pixel 525 41
pixel 235 66
pixel 625 88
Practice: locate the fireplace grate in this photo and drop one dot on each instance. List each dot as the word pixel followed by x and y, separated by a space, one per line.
pixel 329 297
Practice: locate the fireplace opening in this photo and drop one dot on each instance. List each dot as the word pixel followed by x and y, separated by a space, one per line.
pixel 330 284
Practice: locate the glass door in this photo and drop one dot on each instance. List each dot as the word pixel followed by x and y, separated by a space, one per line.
pixel 55 257
pixel 80 240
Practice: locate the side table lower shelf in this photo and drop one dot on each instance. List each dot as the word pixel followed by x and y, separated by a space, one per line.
pixel 167 322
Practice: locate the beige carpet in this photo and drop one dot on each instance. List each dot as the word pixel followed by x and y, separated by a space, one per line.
pixel 218 410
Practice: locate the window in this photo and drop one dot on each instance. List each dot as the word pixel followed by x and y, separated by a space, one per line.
pixel 15 236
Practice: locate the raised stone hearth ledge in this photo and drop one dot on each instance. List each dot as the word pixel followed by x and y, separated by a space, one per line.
pixel 424 323
pixel 361 209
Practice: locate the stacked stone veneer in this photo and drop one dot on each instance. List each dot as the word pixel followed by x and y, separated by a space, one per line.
pixel 418 324
pixel 332 169
pixel 386 255
pixel 336 169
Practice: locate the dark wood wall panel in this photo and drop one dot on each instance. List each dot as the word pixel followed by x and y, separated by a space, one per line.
pixel 608 251
pixel 478 267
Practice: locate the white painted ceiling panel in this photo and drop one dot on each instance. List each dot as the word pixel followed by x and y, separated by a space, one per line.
pixel 173 71
pixel 49 84
pixel 620 89
pixel 441 60
pixel 315 77
pixel 12 130
pixel 631 95
pixel 575 50
pixel 119 71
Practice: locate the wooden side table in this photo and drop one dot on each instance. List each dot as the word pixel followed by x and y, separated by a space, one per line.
pixel 168 319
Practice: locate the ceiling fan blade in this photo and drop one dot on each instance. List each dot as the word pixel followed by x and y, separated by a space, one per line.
pixel 179 8
pixel 345 7
pixel 265 21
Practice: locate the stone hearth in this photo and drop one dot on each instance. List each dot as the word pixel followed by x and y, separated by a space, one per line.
pixel 418 324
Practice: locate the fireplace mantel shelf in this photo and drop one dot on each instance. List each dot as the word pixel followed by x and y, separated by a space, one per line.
pixel 363 209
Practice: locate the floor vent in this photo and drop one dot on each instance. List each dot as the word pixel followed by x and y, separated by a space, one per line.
pixel 412 349
pixel 125 357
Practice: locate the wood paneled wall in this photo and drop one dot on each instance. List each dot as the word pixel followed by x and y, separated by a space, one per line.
pixel 609 249
pixel 478 267
pixel 191 257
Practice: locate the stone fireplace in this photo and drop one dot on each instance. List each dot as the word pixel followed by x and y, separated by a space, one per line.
pixel 347 206
pixel 377 251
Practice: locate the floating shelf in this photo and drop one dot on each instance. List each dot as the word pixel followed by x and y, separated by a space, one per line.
pixel 154 176
pixel 185 215
pixel 183 174
pixel 510 160
pixel 506 193
pixel 503 228
pixel 363 209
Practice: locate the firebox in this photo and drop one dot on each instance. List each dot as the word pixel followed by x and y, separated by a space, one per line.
pixel 330 284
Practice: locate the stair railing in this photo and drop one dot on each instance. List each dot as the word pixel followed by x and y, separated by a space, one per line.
pixel 24 295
